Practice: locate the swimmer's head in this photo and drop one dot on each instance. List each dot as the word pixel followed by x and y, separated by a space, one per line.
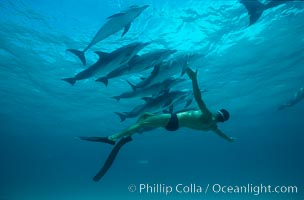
pixel 222 115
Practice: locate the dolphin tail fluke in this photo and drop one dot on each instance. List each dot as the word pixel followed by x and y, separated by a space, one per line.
pixel 104 80
pixel 111 158
pixel 71 81
pixel 122 116
pixel 255 9
pixel 116 97
pixel 79 54
pixel 97 139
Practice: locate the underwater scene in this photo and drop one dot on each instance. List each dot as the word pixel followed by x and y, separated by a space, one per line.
pixel 151 99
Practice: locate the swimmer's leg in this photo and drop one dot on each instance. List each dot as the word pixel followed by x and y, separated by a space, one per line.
pixel 147 121
pixel 126 132
pixel 145 116
pixel 135 128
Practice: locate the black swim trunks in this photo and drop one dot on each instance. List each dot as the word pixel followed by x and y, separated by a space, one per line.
pixel 173 123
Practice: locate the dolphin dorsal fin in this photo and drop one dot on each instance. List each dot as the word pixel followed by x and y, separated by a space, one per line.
pixel 101 54
pixel 148 99
pixel 116 15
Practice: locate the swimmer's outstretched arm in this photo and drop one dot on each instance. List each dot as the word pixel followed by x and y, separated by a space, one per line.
pixel 197 93
pixel 223 135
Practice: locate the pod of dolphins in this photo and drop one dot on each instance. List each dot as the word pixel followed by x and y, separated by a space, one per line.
pixel 166 65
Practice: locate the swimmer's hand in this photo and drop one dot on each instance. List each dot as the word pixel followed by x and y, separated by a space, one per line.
pixel 192 75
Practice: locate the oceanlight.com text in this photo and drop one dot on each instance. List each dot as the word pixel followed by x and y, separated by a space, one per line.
pixel 254 189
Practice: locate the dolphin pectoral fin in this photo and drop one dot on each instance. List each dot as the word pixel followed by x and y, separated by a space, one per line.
pixel 148 99
pixel 124 60
pixel 132 85
pixel 168 103
pixel 79 54
pixel 71 81
pixel 126 29
pixel 116 97
pixel 98 139
pixel 103 80
pixel 188 102
pixel 122 116
pixel 111 158
pixel 116 15
pixel 155 70
pixel 101 54
pixel 184 70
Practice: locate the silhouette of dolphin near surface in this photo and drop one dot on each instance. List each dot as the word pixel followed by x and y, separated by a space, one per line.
pixel 114 24
pixel 255 8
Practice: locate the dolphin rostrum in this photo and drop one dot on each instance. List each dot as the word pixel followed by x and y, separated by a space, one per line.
pixel 114 24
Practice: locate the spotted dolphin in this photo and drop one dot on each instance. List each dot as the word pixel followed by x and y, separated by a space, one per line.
pixel 138 64
pixel 114 24
pixel 174 67
pixel 154 104
pixel 152 90
pixel 108 62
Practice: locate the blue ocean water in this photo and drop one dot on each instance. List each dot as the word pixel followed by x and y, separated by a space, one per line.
pixel 248 70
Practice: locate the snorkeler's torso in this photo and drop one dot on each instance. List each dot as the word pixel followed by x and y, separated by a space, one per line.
pixel 196 120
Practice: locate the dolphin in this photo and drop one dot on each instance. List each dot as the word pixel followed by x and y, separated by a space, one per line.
pixel 138 64
pixel 298 96
pixel 108 61
pixel 255 8
pixel 151 90
pixel 153 104
pixel 174 67
pixel 114 24
pixel 150 59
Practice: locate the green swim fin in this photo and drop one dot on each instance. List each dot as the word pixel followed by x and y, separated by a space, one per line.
pixel 111 158
pixel 97 139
